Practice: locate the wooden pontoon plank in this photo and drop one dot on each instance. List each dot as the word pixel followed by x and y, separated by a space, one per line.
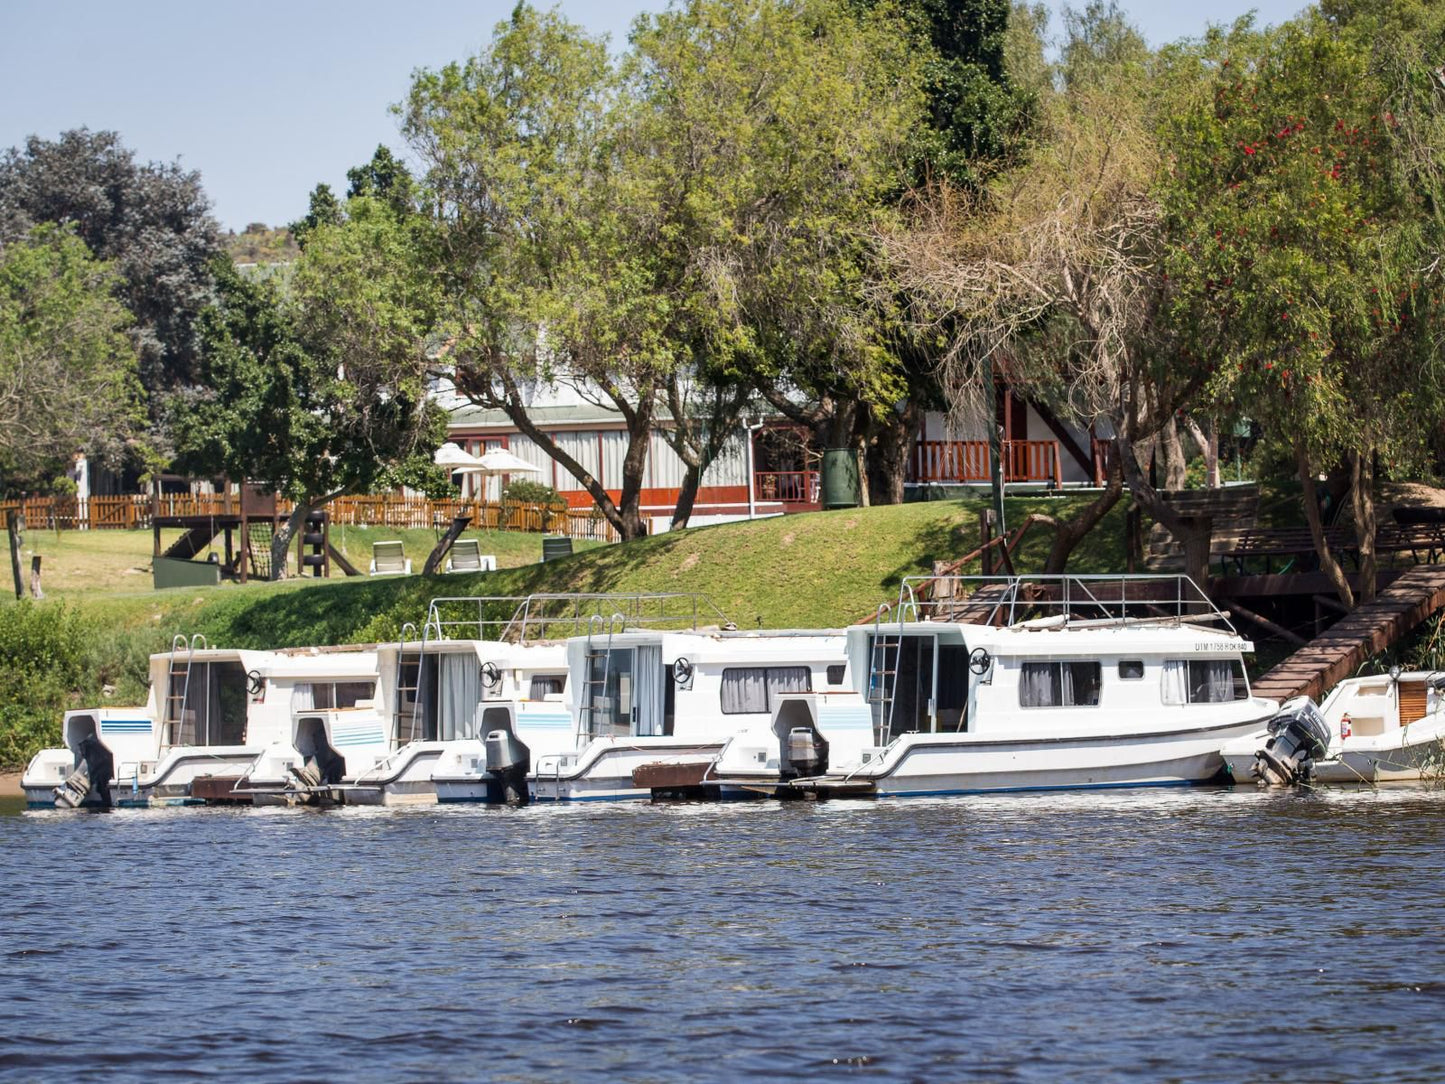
pixel 1333 656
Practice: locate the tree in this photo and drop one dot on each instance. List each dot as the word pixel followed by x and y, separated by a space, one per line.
pixel 67 367
pixel 151 223
pixel 1050 272
pixel 761 138
pixel 323 392
pixel 1304 245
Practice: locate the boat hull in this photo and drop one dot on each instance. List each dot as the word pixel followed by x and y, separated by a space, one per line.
pixel 931 764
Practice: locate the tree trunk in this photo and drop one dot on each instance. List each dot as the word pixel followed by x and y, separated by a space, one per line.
pixel 281 540
pixel 1207 440
pixel 1362 505
pixel 1070 532
pixel 1193 532
pixel 1328 564
pixel 687 495
pixel 1171 449
pixel 893 447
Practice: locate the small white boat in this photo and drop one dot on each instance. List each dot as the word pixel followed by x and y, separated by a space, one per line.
pixel 1023 683
pixel 1389 728
pixel 209 712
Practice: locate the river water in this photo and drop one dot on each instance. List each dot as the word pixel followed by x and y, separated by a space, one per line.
pixel 1199 935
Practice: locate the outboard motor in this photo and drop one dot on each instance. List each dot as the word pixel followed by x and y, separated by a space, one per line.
pixel 93 773
pixel 1298 736
pixel 807 752
pixel 508 762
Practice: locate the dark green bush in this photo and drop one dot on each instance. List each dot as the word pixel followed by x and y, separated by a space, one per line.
pixel 42 665
pixel 530 492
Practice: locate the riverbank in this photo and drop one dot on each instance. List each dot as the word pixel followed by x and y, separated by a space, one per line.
pixel 10 785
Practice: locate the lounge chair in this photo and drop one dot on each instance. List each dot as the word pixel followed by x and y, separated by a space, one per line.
pixel 467 556
pixel 389 559
pixel 554 547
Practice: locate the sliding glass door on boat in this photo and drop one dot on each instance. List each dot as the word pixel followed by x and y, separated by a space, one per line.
pixel 625 693
pixel 916 685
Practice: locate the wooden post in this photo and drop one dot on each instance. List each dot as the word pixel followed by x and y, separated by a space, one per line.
pixel 245 534
pixel 985 536
pixel 12 528
pixel 35 591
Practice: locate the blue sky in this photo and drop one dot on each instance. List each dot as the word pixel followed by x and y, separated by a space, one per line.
pixel 267 98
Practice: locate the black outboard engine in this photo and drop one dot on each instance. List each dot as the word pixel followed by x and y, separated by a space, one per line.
pixel 92 775
pixel 1298 736
pixel 807 752
pixel 508 762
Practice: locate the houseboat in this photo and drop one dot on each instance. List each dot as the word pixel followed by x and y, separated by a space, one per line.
pixel 650 710
pixel 1387 728
pixel 209 713
pixel 976 684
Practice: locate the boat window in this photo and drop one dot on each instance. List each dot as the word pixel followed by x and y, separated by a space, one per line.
pixel 545 685
pixel 1059 685
pixel 835 674
pixel 1131 669
pixel 325 695
pixel 756 689
pixel 1204 681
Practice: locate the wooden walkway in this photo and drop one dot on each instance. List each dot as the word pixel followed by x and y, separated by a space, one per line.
pixel 1334 656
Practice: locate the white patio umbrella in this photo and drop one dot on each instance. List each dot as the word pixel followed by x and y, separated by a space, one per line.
pixel 487 465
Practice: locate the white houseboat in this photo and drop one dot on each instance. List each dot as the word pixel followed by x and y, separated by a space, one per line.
pixel 1388 728
pixel 208 714
pixel 1025 683
pixel 651 709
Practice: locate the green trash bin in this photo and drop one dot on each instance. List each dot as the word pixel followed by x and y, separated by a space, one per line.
pixel 840 479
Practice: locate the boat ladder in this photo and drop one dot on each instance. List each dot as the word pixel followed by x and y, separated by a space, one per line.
pixel 402 688
pixel 594 688
pixel 883 674
pixel 178 674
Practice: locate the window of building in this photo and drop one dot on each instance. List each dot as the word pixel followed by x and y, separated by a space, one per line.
pixel 1059 685
pixel 757 689
pixel 1204 681
pixel 1131 669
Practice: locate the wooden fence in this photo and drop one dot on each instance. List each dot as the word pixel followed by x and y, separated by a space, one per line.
pixel 134 510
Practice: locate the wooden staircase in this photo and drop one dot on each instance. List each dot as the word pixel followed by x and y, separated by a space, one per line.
pixel 1333 656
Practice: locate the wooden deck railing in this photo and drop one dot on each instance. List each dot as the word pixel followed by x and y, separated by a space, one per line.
pixel 133 511
pixel 967 461
pixel 786 486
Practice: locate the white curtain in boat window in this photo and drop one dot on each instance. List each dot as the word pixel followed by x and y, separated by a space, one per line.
pixel 303 698
pixel 1059 684
pixel 647 681
pixel 1211 681
pixel 1040 685
pixel 460 692
pixel 757 689
pixel 1176 681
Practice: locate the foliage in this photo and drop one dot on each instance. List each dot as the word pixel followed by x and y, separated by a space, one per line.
pixel 260 244
pixel 529 492
pixel 1300 250
pixel 42 656
pixel 67 368
pixel 151 222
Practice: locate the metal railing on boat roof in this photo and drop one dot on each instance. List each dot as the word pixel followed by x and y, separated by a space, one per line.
pixel 1071 600
pixel 520 618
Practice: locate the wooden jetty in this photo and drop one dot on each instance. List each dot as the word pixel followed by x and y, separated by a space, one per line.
pixel 1369 629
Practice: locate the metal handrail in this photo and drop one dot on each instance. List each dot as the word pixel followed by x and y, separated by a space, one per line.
pixel 1140 597
pixel 531 611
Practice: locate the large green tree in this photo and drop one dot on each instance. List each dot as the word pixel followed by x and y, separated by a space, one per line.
pixel 319 391
pixel 150 221
pixel 1305 245
pixel 67 366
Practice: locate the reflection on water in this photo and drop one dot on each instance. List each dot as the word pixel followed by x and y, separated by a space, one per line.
pixel 1191 935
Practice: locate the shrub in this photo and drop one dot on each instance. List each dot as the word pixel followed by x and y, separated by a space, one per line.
pixel 529 492
pixel 42 667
